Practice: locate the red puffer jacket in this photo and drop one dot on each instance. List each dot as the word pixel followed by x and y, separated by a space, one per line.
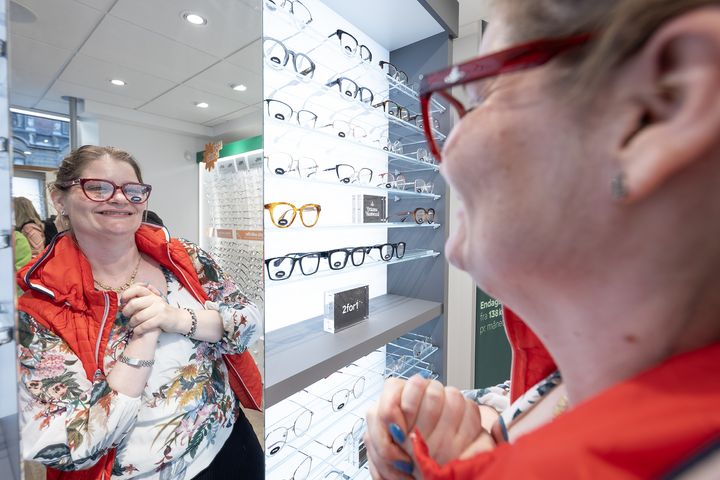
pixel 59 294
pixel 649 426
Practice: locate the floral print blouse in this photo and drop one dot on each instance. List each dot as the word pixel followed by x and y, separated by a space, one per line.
pixel 180 422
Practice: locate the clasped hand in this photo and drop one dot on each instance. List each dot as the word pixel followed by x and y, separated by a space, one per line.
pixel 147 310
pixel 449 423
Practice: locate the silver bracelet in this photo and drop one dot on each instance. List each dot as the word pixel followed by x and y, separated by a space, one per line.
pixel 193 327
pixel 135 362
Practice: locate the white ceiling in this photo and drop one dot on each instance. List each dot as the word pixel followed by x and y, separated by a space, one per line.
pixel 393 24
pixel 74 47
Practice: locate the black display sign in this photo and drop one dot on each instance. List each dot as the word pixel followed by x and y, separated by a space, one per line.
pixel 346 308
pixel 373 209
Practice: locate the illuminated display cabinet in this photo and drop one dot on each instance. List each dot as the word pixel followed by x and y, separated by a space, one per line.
pixel 351 198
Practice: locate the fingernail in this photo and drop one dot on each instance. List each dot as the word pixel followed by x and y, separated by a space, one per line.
pixel 424 373
pixel 397 434
pixel 404 467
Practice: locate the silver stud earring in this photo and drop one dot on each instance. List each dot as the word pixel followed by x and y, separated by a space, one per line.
pixel 62 212
pixel 618 188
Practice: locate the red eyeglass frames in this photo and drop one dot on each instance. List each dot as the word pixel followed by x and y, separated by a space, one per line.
pixel 513 59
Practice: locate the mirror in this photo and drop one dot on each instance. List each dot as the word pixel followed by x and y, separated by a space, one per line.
pixel 172 82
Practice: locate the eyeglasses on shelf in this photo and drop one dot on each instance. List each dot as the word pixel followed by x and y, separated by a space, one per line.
pixel 281 268
pixel 420 215
pixel 418 121
pixel 394 109
pixel 393 72
pixel 282 111
pixel 299 11
pixel 283 163
pixel 347 174
pixel 276 439
pixel 351 46
pixel 99 190
pixel 341 397
pixel 350 89
pixel 345 129
pixel 345 439
pixel 423 155
pixel 283 214
pixel 387 250
pixel 419 186
pixel 388 180
pixel 278 55
pixel 302 470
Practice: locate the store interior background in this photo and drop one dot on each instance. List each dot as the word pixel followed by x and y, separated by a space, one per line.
pixel 75 47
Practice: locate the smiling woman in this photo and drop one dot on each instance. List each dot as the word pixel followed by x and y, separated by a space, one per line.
pixel 124 334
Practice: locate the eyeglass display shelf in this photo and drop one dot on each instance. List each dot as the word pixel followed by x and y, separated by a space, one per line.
pixel 410 255
pixel 390 191
pixel 314 88
pixel 301 354
pixel 399 160
pixel 272 230
pixel 330 50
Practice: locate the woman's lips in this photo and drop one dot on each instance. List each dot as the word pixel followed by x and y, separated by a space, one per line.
pixel 110 213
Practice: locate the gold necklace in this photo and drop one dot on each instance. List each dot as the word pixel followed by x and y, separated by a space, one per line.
pixel 126 285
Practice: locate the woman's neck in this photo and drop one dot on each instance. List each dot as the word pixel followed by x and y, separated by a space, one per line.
pixel 111 261
pixel 603 332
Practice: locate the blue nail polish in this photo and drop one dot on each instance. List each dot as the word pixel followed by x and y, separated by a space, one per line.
pixel 404 467
pixel 425 374
pixel 397 434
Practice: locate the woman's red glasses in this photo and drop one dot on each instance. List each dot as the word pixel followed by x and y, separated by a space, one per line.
pixel 517 58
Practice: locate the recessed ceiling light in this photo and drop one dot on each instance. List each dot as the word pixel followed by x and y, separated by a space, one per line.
pixel 118 83
pixel 238 87
pixel 27 152
pixel 201 104
pixel 194 18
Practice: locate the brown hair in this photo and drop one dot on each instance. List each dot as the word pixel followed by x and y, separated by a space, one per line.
pixel 25 212
pixel 76 161
pixel 622 28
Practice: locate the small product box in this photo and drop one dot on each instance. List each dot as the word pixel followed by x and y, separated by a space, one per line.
pixel 345 307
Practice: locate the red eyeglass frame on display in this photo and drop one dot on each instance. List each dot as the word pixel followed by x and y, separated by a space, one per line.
pixel 513 59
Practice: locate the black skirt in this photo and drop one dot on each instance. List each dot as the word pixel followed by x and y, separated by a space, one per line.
pixel 240 458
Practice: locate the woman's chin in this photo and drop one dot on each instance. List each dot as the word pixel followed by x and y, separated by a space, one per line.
pixel 455 250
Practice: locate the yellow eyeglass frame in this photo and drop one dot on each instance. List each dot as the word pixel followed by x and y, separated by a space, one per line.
pixel 308 206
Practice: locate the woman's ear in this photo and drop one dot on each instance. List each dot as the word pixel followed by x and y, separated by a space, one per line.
pixel 58 201
pixel 674 82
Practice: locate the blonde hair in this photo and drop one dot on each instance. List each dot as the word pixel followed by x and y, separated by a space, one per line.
pixel 75 162
pixel 25 212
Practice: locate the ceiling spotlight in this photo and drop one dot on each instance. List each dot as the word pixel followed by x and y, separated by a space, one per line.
pixel 118 83
pixel 201 104
pixel 27 152
pixel 194 18
pixel 238 87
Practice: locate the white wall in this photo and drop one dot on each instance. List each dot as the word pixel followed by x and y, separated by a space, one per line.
pixel 461 287
pixel 168 163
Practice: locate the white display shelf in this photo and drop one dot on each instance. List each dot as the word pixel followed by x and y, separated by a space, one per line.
pixel 297 276
pixel 273 230
pixel 310 88
pixel 390 191
pixel 328 51
pixel 301 354
pixel 398 159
